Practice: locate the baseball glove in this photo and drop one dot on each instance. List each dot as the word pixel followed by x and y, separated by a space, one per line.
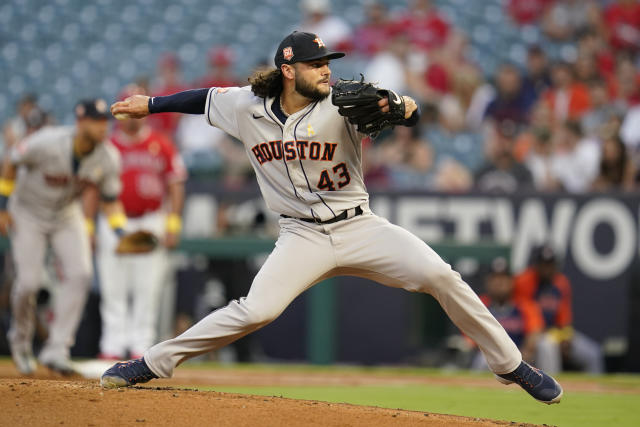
pixel 358 102
pixel 138 242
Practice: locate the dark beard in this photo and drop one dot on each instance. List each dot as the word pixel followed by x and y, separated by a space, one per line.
pixel 309 91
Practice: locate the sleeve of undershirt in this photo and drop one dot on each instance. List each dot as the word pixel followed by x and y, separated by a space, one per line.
pixel 187 102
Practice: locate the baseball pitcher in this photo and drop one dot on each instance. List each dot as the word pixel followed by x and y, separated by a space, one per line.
pixel 304 142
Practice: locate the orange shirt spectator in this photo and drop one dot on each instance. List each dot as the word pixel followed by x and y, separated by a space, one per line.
pixel 567 99
pixel 570 104
pixel 550 289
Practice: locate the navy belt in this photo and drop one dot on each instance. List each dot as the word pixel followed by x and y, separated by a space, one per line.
pixel 344 215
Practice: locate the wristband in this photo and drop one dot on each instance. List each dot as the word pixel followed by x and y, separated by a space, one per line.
pixel 91 226
pixel 117 220
pixel 174 223
pixel 6 186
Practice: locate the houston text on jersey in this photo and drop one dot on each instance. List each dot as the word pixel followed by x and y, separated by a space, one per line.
pixel 274 150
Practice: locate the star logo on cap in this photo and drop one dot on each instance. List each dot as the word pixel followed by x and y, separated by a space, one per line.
pixel 319 41
pixel 287 52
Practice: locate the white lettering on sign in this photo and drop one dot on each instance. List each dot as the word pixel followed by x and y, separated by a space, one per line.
pixel 502 221
pixel 569 227
pixel 421 216
pixel 585 254
pixel 467 214
pixel 533 222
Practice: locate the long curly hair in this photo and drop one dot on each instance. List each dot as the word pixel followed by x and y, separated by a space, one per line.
pixel 266 82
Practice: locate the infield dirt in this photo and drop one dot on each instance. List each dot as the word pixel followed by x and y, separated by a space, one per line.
pixel 47 400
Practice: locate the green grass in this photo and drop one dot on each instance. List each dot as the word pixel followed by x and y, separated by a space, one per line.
pixel 619 407
pixel 576 409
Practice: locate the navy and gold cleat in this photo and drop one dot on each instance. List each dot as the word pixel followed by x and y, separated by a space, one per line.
pixel 125 374
pixel 539 385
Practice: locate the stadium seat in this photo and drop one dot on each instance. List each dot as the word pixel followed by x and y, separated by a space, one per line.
pixel 101 45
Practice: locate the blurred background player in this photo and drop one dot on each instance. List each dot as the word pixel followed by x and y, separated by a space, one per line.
pixel 153 177
pixel 29 118
pixel 560 344
pixel 521 319
pixel 53 167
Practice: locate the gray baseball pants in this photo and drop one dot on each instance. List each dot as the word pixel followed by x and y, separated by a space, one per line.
pixel 30 238
pixel 367 246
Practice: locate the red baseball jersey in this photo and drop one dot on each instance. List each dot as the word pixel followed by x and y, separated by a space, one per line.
pixel 149 164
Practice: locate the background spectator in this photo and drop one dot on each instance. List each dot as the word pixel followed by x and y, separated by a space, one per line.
pixel 536 79
pixel 543 284
pixel 540 160
pixel 371 37
pixel 510 102
pixel 575 159
pixel 29 117
pixel 389 66
pixel 567 98
pixel 451 139
pixel 525 12
pixel 403 159
pixel 564 19
pixel 616 169
pixel 602 109
pixel 622 25
pixel 168 80
pixel 502 173
pixel 425 27
pixel 220 71
pixel 332 29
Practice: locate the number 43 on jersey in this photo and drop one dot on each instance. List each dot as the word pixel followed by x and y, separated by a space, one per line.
pixel 339 177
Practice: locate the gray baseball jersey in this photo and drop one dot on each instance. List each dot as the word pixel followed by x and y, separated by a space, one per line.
pixel 47 183
pixel 306 167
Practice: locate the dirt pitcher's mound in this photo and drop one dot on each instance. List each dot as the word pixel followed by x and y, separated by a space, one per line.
pixel 84 403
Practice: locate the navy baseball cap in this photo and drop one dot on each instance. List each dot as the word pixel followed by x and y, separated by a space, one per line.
pixel 93 108
pixel 300 46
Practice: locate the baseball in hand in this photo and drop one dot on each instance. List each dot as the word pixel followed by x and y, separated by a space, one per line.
pixel 122 116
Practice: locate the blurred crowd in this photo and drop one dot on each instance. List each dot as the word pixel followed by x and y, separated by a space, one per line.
pixel 550 125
